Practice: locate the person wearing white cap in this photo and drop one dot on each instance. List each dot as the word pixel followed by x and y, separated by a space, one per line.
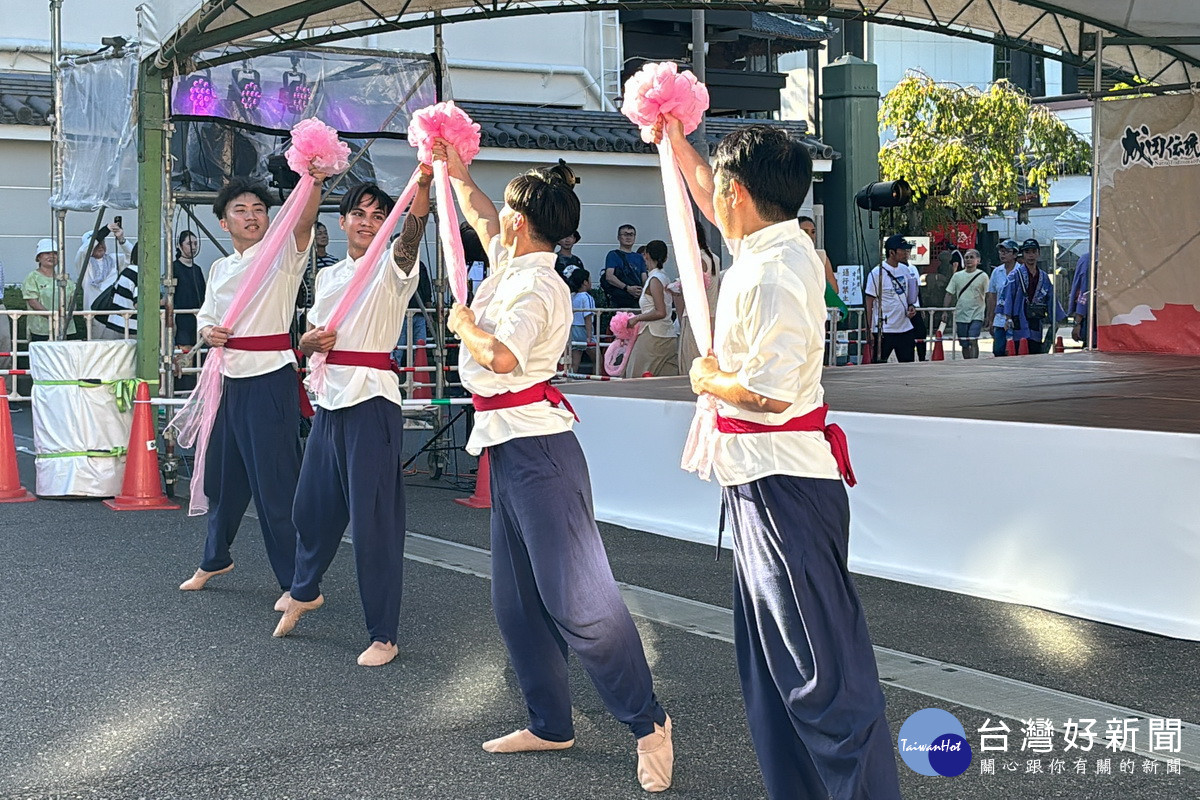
pixel 38 289
pixel 102 269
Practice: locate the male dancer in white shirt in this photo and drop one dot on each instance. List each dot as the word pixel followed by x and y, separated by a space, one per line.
pixel 552 587
pixel 813 701
pixel 352 464
pixel 254 447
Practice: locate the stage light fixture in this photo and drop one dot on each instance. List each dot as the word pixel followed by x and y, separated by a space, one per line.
pixel 201 96
pixel 296 91
pixel 247 88
pixel 884 194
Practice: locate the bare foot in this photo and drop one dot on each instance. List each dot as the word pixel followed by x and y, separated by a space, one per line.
pixel 656 758
pixel 197 581
pixel 524 741
pixel 296 609
pixel 378 654
pixel 281 603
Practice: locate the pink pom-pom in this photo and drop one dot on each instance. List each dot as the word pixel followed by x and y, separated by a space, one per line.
pixel 315 144
pixel 443 121
pixel 660 88
pixel 620 327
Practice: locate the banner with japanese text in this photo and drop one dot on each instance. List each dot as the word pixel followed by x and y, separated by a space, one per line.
pixel 1148 266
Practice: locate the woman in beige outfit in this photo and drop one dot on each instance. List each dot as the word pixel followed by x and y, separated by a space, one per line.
pixel 655 350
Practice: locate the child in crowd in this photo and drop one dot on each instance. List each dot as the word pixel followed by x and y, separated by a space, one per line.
pixel 582 326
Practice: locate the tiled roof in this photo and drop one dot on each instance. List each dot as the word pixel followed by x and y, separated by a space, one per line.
pixel 25 98
pixel 610 132
pixel 791 26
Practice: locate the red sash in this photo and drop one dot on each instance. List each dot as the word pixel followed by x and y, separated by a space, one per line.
pixel 360 358
pixel 812 421
pixel 534 394
pixel 274 342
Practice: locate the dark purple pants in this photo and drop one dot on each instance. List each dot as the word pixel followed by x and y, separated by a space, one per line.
pixel 552 588
pixel 352 475
pixel 804 655
pixel 254 451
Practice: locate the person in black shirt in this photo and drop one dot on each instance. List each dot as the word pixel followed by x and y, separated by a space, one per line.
pixel 190 287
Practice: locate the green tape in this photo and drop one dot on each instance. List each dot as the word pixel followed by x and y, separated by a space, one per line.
pixel 116 452
pixel 123 389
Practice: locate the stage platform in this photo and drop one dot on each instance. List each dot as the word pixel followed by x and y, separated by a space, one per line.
pixel 1066 482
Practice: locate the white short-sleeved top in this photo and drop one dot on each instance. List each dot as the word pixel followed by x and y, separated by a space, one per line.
pixel 270 311
pixel 527 307
pixel 770 332
pixel 373 325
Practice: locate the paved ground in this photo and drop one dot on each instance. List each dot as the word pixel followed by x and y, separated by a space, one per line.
pixel 117 685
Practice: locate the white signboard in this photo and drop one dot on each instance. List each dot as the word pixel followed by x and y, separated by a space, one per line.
pixel 850 283
pixel 920 252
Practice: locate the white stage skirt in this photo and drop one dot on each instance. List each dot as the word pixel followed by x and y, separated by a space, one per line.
pixel 1097 523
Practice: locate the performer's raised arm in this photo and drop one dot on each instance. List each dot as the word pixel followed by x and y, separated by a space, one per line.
pixel 478 210
pixel 308 218
pixel 408 244
pixel 695 168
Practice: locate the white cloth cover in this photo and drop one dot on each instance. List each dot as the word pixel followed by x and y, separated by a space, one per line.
pixel 72 418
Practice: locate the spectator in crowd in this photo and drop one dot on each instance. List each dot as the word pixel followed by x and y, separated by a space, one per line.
pixel 38 290
pixel 321 257
pixel 565 256
pixel 124 298
pixel 1028 298
pixel 420 302
pixel 101 270
pixel 654 351
pixel 891 300
pixel 583 325
pixel 1078 306
pixel 809 226
pixel 475 255
pixel 190 287
pixel 967 292
pixel 710 263
pixel 1008 251
pixel 624 271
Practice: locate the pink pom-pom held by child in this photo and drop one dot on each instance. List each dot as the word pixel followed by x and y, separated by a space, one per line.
pixel 660 88
pixel 315 144
pixel 443 121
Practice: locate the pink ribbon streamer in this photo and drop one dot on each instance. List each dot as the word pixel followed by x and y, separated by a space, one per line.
pixel 375 259
pixel 700 447
pixel 449 233
pixel 195 420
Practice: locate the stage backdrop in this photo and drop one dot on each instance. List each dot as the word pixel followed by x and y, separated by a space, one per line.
pixel 1149 255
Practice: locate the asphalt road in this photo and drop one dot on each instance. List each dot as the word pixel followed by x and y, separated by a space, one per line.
pixel 117 685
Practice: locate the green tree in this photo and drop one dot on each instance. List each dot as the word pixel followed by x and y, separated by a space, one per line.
pixel 968 153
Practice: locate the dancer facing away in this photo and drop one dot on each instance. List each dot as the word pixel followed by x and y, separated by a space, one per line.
pixel 552 587
pixel 254 447
pixel 813 702
pixel 352 464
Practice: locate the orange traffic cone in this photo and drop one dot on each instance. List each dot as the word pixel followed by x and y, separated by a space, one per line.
pixel 11 490
pixel 141 488
pixel 1010 349
pixel 939 354
pixel 1058 345
pixel 482 498
pixel 421 389
pixel 1023 348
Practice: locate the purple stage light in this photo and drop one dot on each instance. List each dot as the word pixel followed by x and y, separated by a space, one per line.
pixel 201 95
pixel 247 88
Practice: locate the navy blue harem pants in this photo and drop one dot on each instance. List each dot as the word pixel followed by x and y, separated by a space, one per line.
pixel 353 474
pixel 553 589
pixel 254 451
pixel 813 702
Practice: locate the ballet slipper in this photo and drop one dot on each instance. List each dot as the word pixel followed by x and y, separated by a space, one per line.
pixel 281 603
pixel 378 654
pixel 296 609
pixel 524 741
pixel 197 581
pixel 656 758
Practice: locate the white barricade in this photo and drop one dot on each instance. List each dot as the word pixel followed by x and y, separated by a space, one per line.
pixel 80 429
